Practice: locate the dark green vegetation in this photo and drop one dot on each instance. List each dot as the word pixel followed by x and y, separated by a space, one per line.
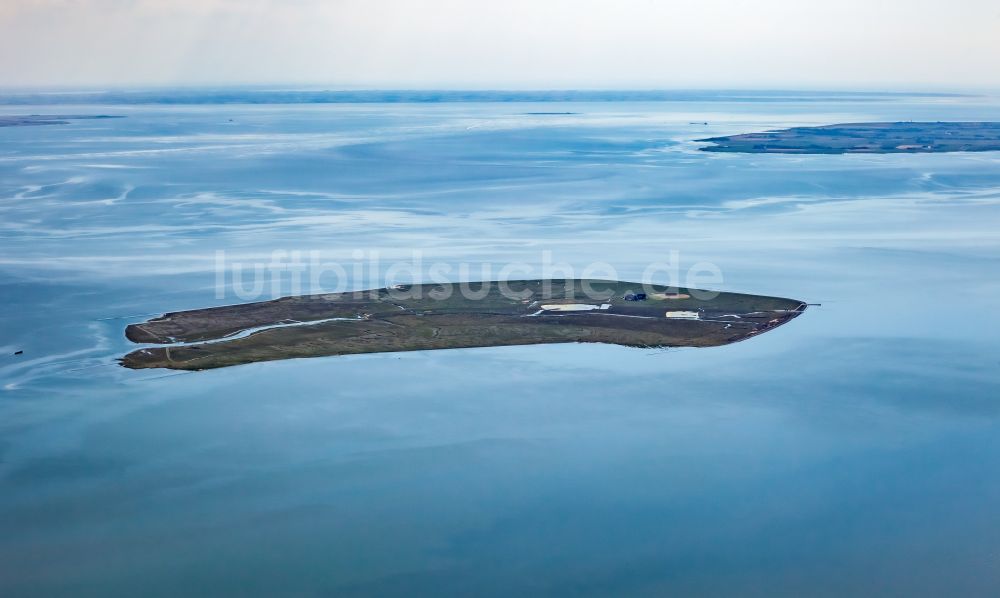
pixel 866 138
pixel 420 317
pixel 46 119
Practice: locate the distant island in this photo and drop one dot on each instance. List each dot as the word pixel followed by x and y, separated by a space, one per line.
pixel 422 317
pixel 31 120
pixel 866 138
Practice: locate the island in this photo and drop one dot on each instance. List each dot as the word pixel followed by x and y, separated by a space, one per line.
pixel 32 120
pixel 866 138
pixel 453 316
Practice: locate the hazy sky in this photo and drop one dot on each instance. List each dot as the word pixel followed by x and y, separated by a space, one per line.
pixel 503 43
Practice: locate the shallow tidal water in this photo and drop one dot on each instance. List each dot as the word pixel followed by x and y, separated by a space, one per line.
pixel 854 451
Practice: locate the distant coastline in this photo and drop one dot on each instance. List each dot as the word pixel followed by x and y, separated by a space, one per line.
pixel 34 120
pixel 299 96
pixel 865 138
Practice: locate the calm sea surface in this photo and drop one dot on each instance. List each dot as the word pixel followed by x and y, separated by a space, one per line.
pixel 854 451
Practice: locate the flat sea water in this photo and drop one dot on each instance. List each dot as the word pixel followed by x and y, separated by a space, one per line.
pixel 855 450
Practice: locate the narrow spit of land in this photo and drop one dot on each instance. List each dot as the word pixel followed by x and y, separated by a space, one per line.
pixel 31 120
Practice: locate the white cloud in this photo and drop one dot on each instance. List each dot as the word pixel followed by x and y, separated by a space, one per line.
pixel 515 43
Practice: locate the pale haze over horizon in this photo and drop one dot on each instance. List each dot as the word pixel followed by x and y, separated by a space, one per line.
pixel 894 44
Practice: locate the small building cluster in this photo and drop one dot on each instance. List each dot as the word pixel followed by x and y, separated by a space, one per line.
pixel 683 315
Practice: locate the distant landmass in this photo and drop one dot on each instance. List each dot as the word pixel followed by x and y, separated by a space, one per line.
pixel 47 119
pixel 422 317
pixel 866 138
pixel 321 96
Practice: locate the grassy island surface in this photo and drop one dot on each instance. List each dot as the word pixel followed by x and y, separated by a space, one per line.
pixel 451 316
